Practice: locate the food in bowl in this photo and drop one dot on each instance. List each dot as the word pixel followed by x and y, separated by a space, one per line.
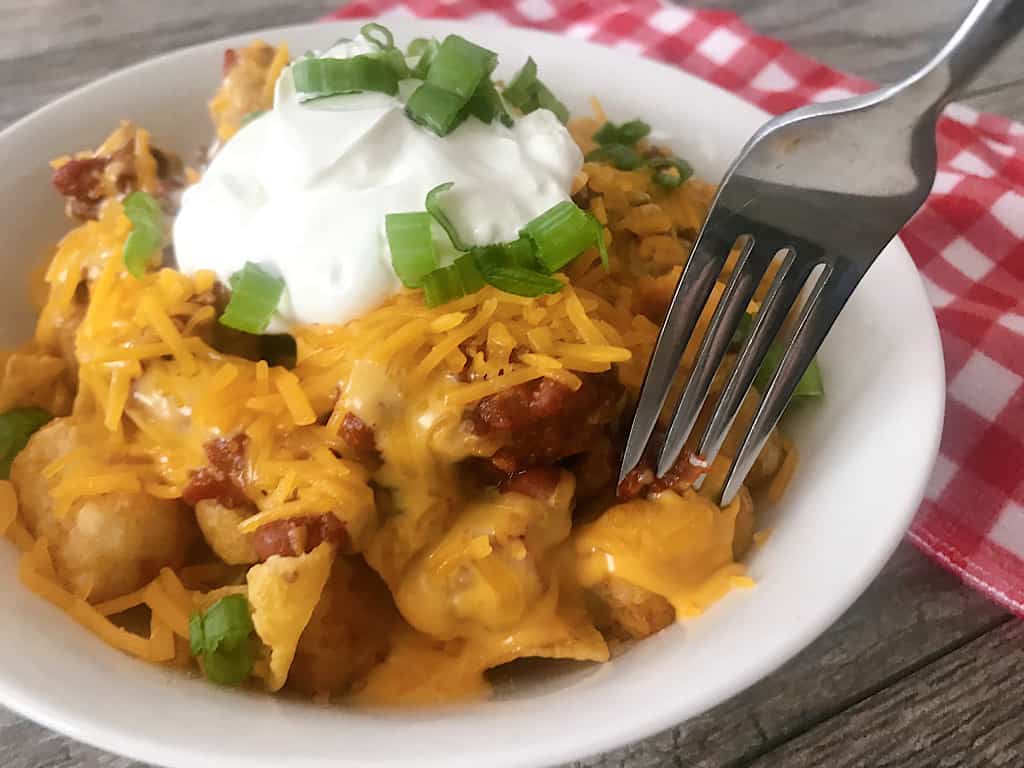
pixel 340 411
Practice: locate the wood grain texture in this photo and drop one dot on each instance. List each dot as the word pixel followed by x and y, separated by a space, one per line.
pixel 916 647
pixel 965 709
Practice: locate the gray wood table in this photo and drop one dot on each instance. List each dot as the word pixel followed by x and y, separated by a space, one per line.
pixel 921 671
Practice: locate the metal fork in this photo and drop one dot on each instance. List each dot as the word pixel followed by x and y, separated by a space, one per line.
pixel 828 186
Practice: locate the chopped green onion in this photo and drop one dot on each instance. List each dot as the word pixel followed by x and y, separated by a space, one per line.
pixel 433 206
pixel 622 157
pixel 513 267
pixel 255 295
pixel 486 104
pixel 221 637
pixel 395 60
pixel 670 172
pixel 527 93
pixel 418 46
pixel 560 234
pixel 147 235
pixel 522 282
pixel 809 387
pixel 449 283
pixel 521 91
pixel 518 253
pixel 629 133
pixel 436 109
pixel 379 35
pixel 457 69
pixel 426 49
pixel 460 66
pixel 16 427
pixel 547 100
pixel 413 254
pixel 328 77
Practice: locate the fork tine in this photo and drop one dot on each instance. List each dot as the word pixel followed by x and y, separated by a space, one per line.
pixel 782 293
pixel 753 260
pixel 828 296
pixel 691 294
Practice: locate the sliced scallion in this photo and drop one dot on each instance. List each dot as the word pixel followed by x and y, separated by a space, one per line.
pixel 521 90
pixel 436 109
pixel 255 295
pixel 810 385
pixel 456 71
pixel 460 66
pixel 433 206
pixel 394 59
pixel 449 283
pixel 147 235
pixel 622 157
pixel 413 254
pixel 16 427
pixel 629 133
pixel 547 100
pixel 522 282
pixel 560 234
pixel 418 46
pixel 486 104
pixel 519 253
pixel 379 35
pixel 670 172
pixel 527 93
pixel 328 77
pixel 426 49
pixel 513 267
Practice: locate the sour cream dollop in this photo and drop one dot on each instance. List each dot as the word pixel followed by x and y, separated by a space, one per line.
pixel 303 191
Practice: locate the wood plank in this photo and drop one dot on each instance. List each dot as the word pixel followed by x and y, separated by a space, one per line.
pixel 880 40
pixel 964 710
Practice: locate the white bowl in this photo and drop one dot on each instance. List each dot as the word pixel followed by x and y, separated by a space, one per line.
pixel 866 453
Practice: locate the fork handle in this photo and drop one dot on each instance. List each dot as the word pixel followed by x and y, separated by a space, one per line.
pixel 989 26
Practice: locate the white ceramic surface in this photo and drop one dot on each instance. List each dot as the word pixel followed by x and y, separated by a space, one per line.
pixel 866 453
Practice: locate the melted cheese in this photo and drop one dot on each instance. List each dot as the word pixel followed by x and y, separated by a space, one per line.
pixel 677 546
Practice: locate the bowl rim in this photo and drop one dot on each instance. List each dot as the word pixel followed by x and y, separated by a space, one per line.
pixel 91 728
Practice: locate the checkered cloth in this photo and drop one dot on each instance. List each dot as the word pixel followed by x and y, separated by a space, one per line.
pixel 967 242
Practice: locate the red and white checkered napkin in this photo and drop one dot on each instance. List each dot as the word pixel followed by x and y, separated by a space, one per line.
pixel 967 241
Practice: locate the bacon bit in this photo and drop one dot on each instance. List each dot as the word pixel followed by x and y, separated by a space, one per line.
pixel 358 434
pixel 294 537
pixel 537 482
pixel 80 178
pixel 223 478
pixel 230 59
pixel 641 480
